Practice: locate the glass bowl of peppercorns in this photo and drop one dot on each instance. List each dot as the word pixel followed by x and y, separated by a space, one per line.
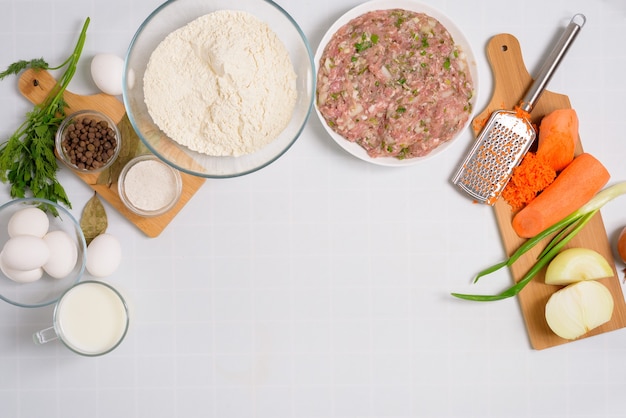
pixel 88 141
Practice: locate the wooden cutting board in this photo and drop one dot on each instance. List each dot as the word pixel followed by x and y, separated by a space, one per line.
pixel 511 80
pixel 35 86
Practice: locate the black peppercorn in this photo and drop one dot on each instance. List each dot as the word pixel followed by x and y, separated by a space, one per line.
pixel 88 143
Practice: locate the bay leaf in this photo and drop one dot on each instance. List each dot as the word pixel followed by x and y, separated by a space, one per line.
pixel 93 220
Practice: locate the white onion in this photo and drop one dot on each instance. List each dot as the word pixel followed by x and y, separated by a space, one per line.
pixel 578 308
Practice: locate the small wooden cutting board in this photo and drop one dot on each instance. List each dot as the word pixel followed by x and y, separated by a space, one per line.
pixel 35 86
pixel 511 80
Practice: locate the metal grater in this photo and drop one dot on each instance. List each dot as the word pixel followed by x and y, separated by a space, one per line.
pixel 486 169
pixel 507 136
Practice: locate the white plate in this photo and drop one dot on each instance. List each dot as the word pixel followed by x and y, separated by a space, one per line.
pixel 459 38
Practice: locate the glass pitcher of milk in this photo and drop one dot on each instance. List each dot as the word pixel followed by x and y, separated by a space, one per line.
pixel 91 319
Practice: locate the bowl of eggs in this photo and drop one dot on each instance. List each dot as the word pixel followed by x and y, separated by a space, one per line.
pixel 217 88
pixel 42 252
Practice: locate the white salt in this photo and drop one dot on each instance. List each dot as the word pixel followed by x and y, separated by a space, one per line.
pixel 150 185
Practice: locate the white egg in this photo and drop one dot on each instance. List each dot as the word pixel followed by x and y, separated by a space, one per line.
pixel 63 254
pixel 21 276
pixel 25 252
pixel 104 255
pixel 28 221
pixel 106 71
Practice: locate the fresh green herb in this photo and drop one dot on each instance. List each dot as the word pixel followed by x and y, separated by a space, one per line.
pixel 565 230
pixel 402 80
pixel 401 109
pixel 366 42
pixel 446 64
pixel 19 66
pixel 27 159
pixel 361 46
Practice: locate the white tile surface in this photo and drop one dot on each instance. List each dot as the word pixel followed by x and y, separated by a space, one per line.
pixel 318 286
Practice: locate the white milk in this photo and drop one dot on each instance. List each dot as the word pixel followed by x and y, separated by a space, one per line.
pixel 91 318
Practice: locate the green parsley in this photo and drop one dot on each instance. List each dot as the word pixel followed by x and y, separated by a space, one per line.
pixel 27 159
pixel 366 42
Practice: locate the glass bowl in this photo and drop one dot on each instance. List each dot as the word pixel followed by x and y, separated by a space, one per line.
pixel 92 147
pixel 175 14
pixel 47 289
pixel 149 187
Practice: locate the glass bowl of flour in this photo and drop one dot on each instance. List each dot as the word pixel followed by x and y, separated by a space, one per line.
pixel 217 88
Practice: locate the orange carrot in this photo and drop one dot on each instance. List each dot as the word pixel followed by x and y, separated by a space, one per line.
pixel 558 133
pixel 575 186
pixel 529 178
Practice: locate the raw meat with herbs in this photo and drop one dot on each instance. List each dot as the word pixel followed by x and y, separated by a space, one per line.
pixel 394 82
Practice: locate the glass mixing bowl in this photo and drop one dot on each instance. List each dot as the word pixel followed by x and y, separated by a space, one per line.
pixel 175 14
pixel 46 290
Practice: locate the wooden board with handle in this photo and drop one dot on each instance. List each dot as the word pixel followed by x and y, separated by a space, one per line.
pixel 35 86
pixel 511 80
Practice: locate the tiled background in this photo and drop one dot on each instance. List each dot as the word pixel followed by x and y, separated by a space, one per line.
pixel 319 286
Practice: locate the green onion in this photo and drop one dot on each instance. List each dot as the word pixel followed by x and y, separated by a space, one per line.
pixel 565 230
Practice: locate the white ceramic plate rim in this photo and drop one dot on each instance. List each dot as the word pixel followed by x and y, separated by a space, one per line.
pixel 459 38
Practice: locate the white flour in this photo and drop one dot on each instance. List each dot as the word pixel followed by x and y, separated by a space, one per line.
pixel 222 85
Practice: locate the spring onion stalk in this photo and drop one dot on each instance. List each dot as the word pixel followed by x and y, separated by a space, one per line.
pixel 566 229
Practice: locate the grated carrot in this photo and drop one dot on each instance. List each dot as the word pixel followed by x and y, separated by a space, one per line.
pixel 557 135
pixel 529 178
pixel 479 123
pixel 520 113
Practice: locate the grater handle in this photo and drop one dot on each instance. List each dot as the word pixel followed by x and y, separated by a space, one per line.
pixel 552 62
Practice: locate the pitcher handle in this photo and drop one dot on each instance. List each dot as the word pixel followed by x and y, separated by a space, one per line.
pixel 45 335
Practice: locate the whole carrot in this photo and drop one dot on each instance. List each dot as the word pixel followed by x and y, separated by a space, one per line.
pixel 575 186
pixel 558 133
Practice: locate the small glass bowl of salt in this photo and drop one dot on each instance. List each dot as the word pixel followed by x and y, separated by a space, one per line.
pixel 149 187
